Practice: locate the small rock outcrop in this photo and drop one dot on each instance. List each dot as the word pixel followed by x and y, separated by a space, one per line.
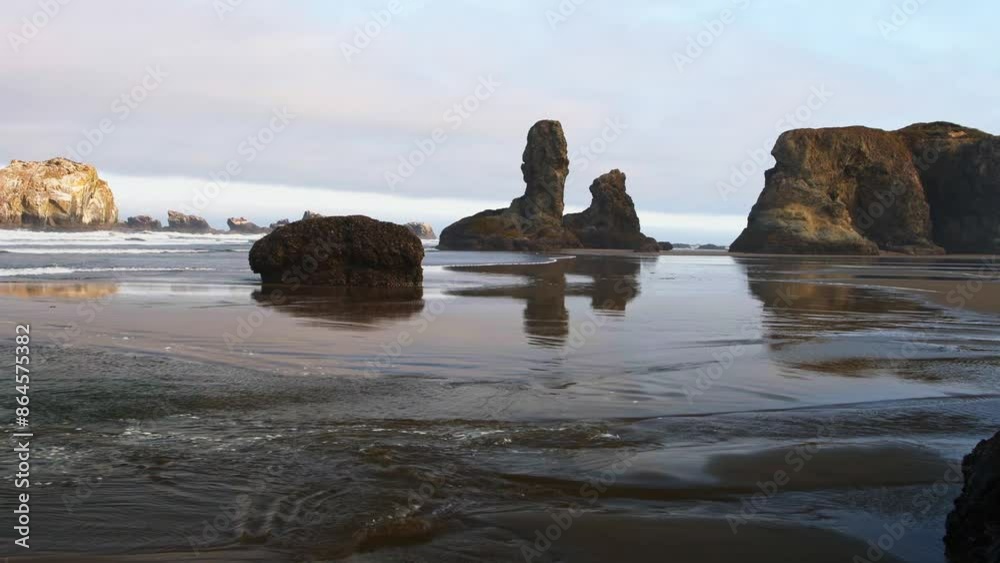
pixel 177 221
pixel 973 527
pixel 243 226
pixel 666 246
pixel 56 193
pixel 611 220
pixel 422 230
pixel 311 215
pixel 280 223
pixel 143 223
pixel 339 251
pixel 534 220
pixel 925 189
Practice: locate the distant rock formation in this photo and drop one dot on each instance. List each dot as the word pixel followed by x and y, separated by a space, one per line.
pixel 925 189
pixel 339 251
pixel 973 527
pixel 244 226
pixel 56 193
pixel 280 223
pixel 666 246
pixel 711 247
pixel 311 215
pixel 422 230
pixel 611 220
pixel 534 220
pixel 177 221
pixel 143 223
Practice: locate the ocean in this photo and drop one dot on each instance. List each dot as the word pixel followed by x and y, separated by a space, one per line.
pixel 518 407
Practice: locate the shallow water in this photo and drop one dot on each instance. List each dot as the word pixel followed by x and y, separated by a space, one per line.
pixel 182 409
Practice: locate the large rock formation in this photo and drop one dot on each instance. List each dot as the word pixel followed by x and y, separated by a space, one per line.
pixel 611 220
pixel 856 190
pixel 422 230
pixel 177 221
pixel 143 223
pixel 973 528
pixel 244 226
pixel 339 251
pixel 55 193
pixel 534 220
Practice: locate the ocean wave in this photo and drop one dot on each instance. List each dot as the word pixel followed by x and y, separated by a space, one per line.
pixel 68 250
pixel 60 270
pixel 16 238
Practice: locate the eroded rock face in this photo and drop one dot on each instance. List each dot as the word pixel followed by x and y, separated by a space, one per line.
pixel 534 220
pixel 925 189
pixel 339 251
pixel 422 230
pixel 177 221
pixel 611 220
pixel 56 193
pixel 973 527
pixel 311 215
pixel 143 223
pixel 244 226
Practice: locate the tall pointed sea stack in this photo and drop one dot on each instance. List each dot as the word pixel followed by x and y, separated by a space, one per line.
pixel 534 220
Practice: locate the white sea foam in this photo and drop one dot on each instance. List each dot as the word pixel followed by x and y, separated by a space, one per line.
pixel 17 238
pixel 90 250
pixel 59 270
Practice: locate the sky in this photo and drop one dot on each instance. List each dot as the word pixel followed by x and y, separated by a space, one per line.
pixel 417 110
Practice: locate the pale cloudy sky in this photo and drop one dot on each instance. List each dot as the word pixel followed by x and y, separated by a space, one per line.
pixel 686 115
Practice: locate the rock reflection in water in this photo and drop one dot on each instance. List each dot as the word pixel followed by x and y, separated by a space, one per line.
pixel 614 284
pixel 359 308
pixel 60 290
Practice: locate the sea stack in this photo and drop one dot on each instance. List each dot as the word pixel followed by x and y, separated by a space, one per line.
pixel 926 189
pixel 143 223
pixel 339 251
pixel 244 226
pixel 56 193
pixel 534 220
pixel 611 220
pixel 177 221
pixel 422 230
pixel 973 527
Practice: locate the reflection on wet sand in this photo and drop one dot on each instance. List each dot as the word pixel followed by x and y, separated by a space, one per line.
pixel 359 308
pixel 614 283
pixel 60 290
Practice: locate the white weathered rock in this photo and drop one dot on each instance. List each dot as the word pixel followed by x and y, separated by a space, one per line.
pixel 55 193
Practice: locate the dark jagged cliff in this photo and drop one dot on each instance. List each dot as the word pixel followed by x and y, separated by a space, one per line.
pixel 925 189
pixel 534 220
pixel 611 220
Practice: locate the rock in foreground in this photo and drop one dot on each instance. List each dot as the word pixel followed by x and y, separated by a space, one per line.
pixel 177 221
pixel 243 226
pixel 611 220
pixel 925 189
pixel 973 528
pixel 55 193
pixel 534 220
pixel 422 230
pixel 339 251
